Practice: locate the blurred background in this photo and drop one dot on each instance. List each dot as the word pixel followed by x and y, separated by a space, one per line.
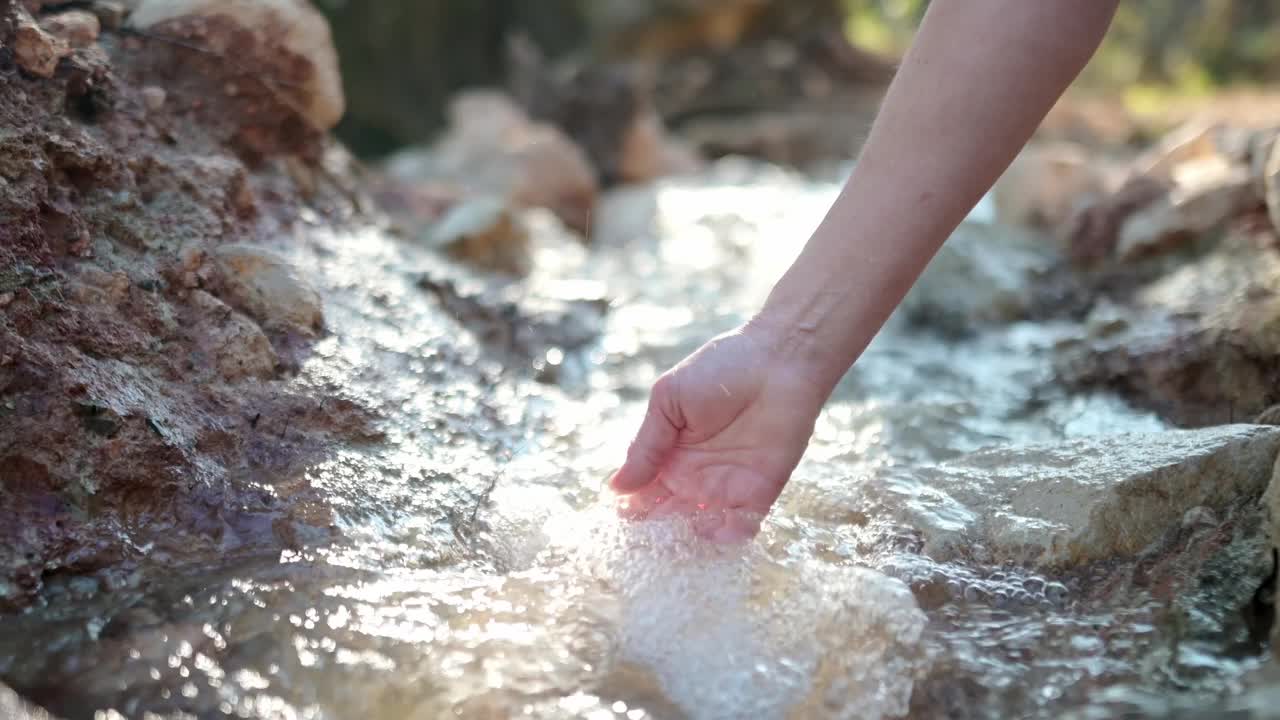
pixel 782 79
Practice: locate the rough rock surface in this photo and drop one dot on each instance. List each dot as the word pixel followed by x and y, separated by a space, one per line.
pixel 1198 343
pixel 1271 503
pixel 287 42
pixel 1082 501
pixel 36 50
pixel 1194 183
pixel 142 419
pixel 1173 274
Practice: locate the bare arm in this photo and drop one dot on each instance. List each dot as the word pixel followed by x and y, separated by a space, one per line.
pixel 727 426
pixel 980 77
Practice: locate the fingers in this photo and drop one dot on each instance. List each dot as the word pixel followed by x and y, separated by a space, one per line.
pixel 652 445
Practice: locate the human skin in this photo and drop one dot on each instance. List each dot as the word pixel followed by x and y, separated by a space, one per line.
pixel 726 427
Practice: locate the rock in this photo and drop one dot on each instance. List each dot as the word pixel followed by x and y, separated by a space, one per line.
pixel 284 31
pixel 1271 503
pixel 124 442
pixel 979 276
pixel 1082 501
pixel 1201 344
pixel 1271 184
pixel 35 50
pixel 1191 142
pixel 648 152
pixel 1206 193
pixel 13 707
pixel 1270 416
pixel 153 97
pixel 1092 230
pixel 486 233
pixel 236 347
pixel 1046 182
pixel 1193 182
pixel 77 28
pixel 110 13
pixel 493 149
pixel 268 289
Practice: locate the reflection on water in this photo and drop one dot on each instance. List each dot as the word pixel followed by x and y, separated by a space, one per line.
pixel 481 574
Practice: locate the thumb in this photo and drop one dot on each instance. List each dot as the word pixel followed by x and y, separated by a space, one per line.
pixel 653 443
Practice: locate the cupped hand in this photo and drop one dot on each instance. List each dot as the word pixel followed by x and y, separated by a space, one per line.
pixel 723 431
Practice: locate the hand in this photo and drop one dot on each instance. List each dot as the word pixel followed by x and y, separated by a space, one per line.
pixel 722 433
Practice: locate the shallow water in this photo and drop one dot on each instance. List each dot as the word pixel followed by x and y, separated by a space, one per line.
pixel 481 573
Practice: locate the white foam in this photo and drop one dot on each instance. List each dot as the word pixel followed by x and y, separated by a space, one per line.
pixel 733 633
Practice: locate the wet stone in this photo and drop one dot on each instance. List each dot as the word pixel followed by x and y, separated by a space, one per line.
pixel 1087 500
pixel 268 288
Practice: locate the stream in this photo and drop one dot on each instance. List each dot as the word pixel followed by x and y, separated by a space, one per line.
pixel 481 572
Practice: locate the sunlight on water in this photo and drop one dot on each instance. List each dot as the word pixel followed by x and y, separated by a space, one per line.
pixel 480 572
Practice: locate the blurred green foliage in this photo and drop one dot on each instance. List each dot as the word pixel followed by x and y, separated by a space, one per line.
pixel 1180 45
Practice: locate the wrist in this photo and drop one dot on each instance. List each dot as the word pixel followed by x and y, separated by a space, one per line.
pixel 806 334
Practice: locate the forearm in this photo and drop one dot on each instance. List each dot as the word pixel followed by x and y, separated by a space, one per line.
pixel 980 77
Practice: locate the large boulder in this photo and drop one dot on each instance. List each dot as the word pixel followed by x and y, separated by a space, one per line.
pixel 1196 182
pixel 131 392
pixel 1078 502
pixel 1199 343
pixel 287 39
pixel 1206 194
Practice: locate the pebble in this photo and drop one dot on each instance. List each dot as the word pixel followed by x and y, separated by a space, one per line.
pixel 35 50
pixel 267 288
pixel 153 97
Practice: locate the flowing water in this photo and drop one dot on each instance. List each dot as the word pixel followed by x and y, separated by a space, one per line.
pixel 481 573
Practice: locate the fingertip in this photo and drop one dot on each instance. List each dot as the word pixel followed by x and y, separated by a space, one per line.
pixel 628 480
